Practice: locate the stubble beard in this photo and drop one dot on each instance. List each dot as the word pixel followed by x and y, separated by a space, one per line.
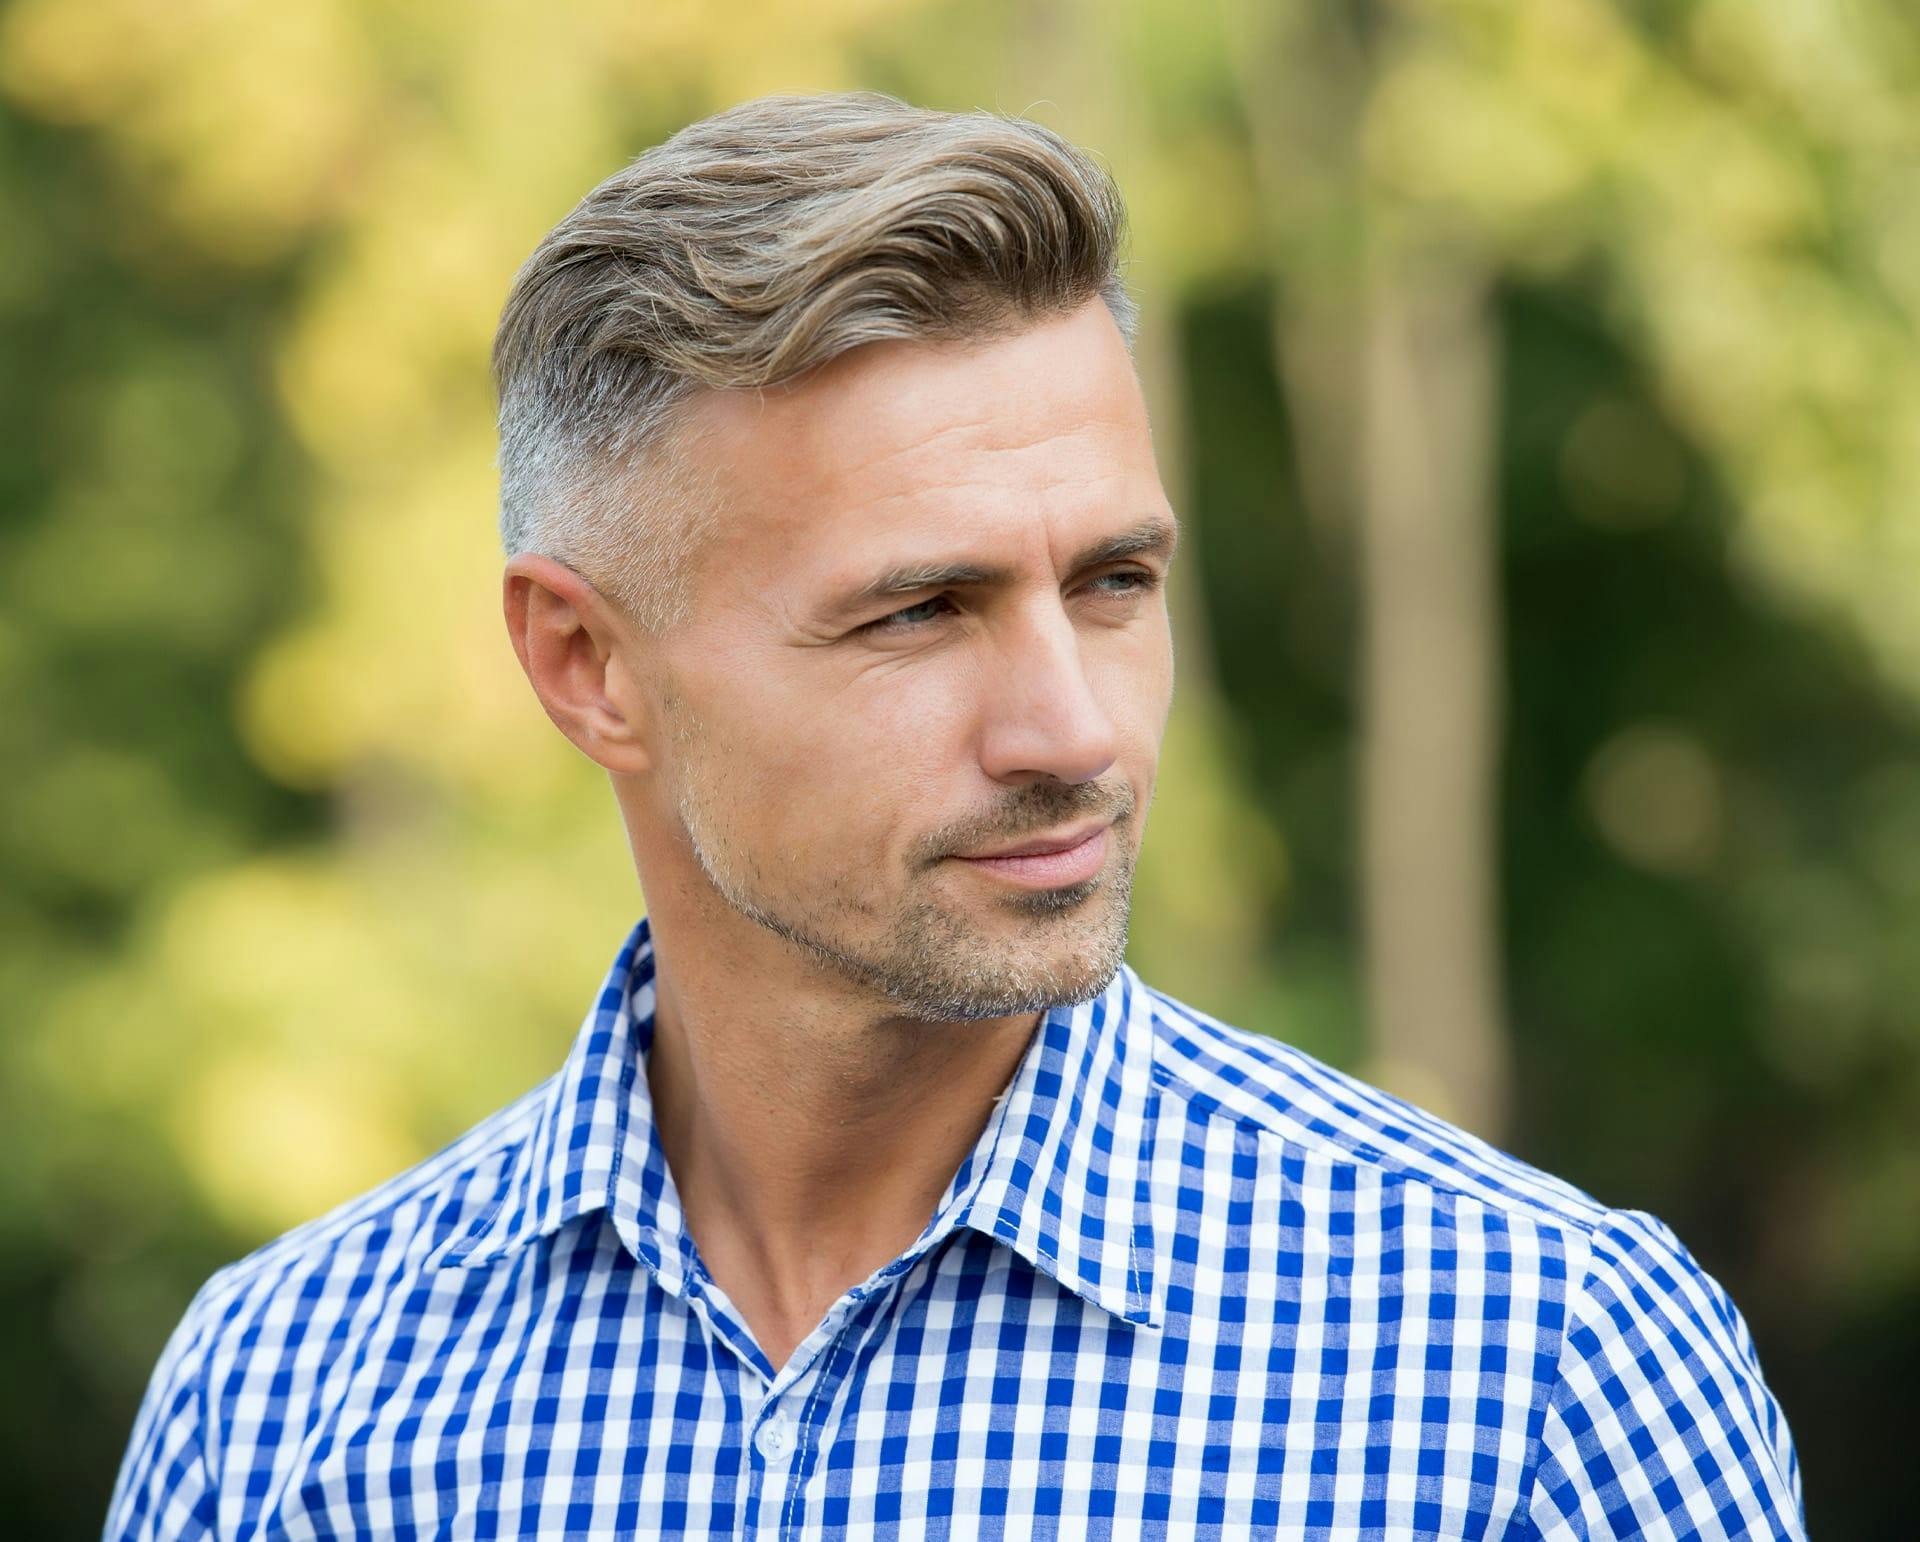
pixel 933 962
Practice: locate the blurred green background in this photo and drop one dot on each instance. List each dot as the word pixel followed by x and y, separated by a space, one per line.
pixel 1538 381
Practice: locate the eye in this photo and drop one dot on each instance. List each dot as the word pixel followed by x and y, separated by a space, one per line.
pixel 905 620
pixel 1137 580
pixel 913 618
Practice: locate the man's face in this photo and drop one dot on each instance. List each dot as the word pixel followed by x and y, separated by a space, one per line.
pixel 837 757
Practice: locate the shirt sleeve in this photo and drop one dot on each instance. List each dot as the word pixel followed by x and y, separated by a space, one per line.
pixel 1659 1422
pixel 165 1490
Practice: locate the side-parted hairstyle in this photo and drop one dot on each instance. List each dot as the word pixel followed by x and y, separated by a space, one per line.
pixel 748 248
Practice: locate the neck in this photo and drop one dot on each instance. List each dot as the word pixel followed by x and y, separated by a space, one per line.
pixel 809 1134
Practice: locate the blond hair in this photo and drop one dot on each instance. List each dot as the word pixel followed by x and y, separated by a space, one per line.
pixel 748 248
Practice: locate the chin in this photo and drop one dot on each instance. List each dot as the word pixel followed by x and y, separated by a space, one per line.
pixel 971 972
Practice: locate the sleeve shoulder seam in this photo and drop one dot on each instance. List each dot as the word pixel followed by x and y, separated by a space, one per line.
pixel 1580 1242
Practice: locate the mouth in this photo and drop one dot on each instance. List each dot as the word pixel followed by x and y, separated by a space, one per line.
pixel 1048 862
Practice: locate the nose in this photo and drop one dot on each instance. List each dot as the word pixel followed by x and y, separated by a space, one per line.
pixel 1042 716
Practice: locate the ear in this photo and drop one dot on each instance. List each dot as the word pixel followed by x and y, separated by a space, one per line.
pixel 579 657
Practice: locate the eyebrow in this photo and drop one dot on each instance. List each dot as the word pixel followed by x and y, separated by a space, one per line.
pixel 1155 536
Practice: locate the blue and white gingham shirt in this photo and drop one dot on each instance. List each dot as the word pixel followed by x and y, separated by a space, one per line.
pixel 1190 1282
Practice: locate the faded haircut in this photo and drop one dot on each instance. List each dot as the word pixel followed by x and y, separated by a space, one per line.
pixel 749 248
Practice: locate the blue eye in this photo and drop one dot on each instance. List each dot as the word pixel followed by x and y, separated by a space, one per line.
pixel 904 620
pixel 915 617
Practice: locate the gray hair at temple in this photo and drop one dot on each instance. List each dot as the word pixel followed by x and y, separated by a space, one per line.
pixel 748 248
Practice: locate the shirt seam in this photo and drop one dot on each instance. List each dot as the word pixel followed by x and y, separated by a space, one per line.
pixel 795 1485
pixel 204 1407
pixel 1139 1281
pixel 1376 1161
pixel 325 1233
pixel 621 1115
pixel 1536 1443
pixel 455 1250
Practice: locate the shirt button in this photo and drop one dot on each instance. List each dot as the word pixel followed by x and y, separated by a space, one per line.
pixel 774 1437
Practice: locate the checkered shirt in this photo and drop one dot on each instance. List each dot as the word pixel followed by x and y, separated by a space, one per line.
pixel 1189 1282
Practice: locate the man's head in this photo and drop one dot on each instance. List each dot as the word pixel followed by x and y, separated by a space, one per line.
pixel 835 535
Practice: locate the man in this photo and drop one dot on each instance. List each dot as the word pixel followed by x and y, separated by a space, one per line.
pixel 878 1195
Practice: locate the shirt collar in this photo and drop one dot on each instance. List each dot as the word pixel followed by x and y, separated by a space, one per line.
pixel 1059 1174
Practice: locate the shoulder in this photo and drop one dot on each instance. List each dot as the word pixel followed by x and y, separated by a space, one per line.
pixel 1660 1420
pixel 1651 1406
pixel 407 1218
pixel 1331 1117
pixel 372 1243
pixel 243 1332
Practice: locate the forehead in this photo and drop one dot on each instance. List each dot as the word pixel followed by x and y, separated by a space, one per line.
pixel 899 444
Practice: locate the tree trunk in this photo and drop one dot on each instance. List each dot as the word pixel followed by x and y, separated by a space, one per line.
pixel 1430 667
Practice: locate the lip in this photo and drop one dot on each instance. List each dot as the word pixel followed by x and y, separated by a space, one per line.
pixel 1041 845
pixel 1050 861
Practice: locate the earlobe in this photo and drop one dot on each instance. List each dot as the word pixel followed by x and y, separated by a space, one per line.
pixel 568 643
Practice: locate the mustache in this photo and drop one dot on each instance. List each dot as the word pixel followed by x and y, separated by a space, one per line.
pixel 1037 808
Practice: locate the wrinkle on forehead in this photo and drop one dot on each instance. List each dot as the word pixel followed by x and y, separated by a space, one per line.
pixel 980 432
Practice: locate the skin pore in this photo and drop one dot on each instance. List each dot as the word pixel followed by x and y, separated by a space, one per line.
pixel 841 997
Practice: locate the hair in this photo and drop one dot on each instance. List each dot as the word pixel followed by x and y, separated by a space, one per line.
pixel 740 253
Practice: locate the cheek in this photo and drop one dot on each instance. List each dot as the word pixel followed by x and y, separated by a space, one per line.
pixel 1133 679
pixel 913 707
pixel 881 750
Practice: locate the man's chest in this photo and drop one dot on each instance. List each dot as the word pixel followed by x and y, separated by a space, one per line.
pixel 976 1399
